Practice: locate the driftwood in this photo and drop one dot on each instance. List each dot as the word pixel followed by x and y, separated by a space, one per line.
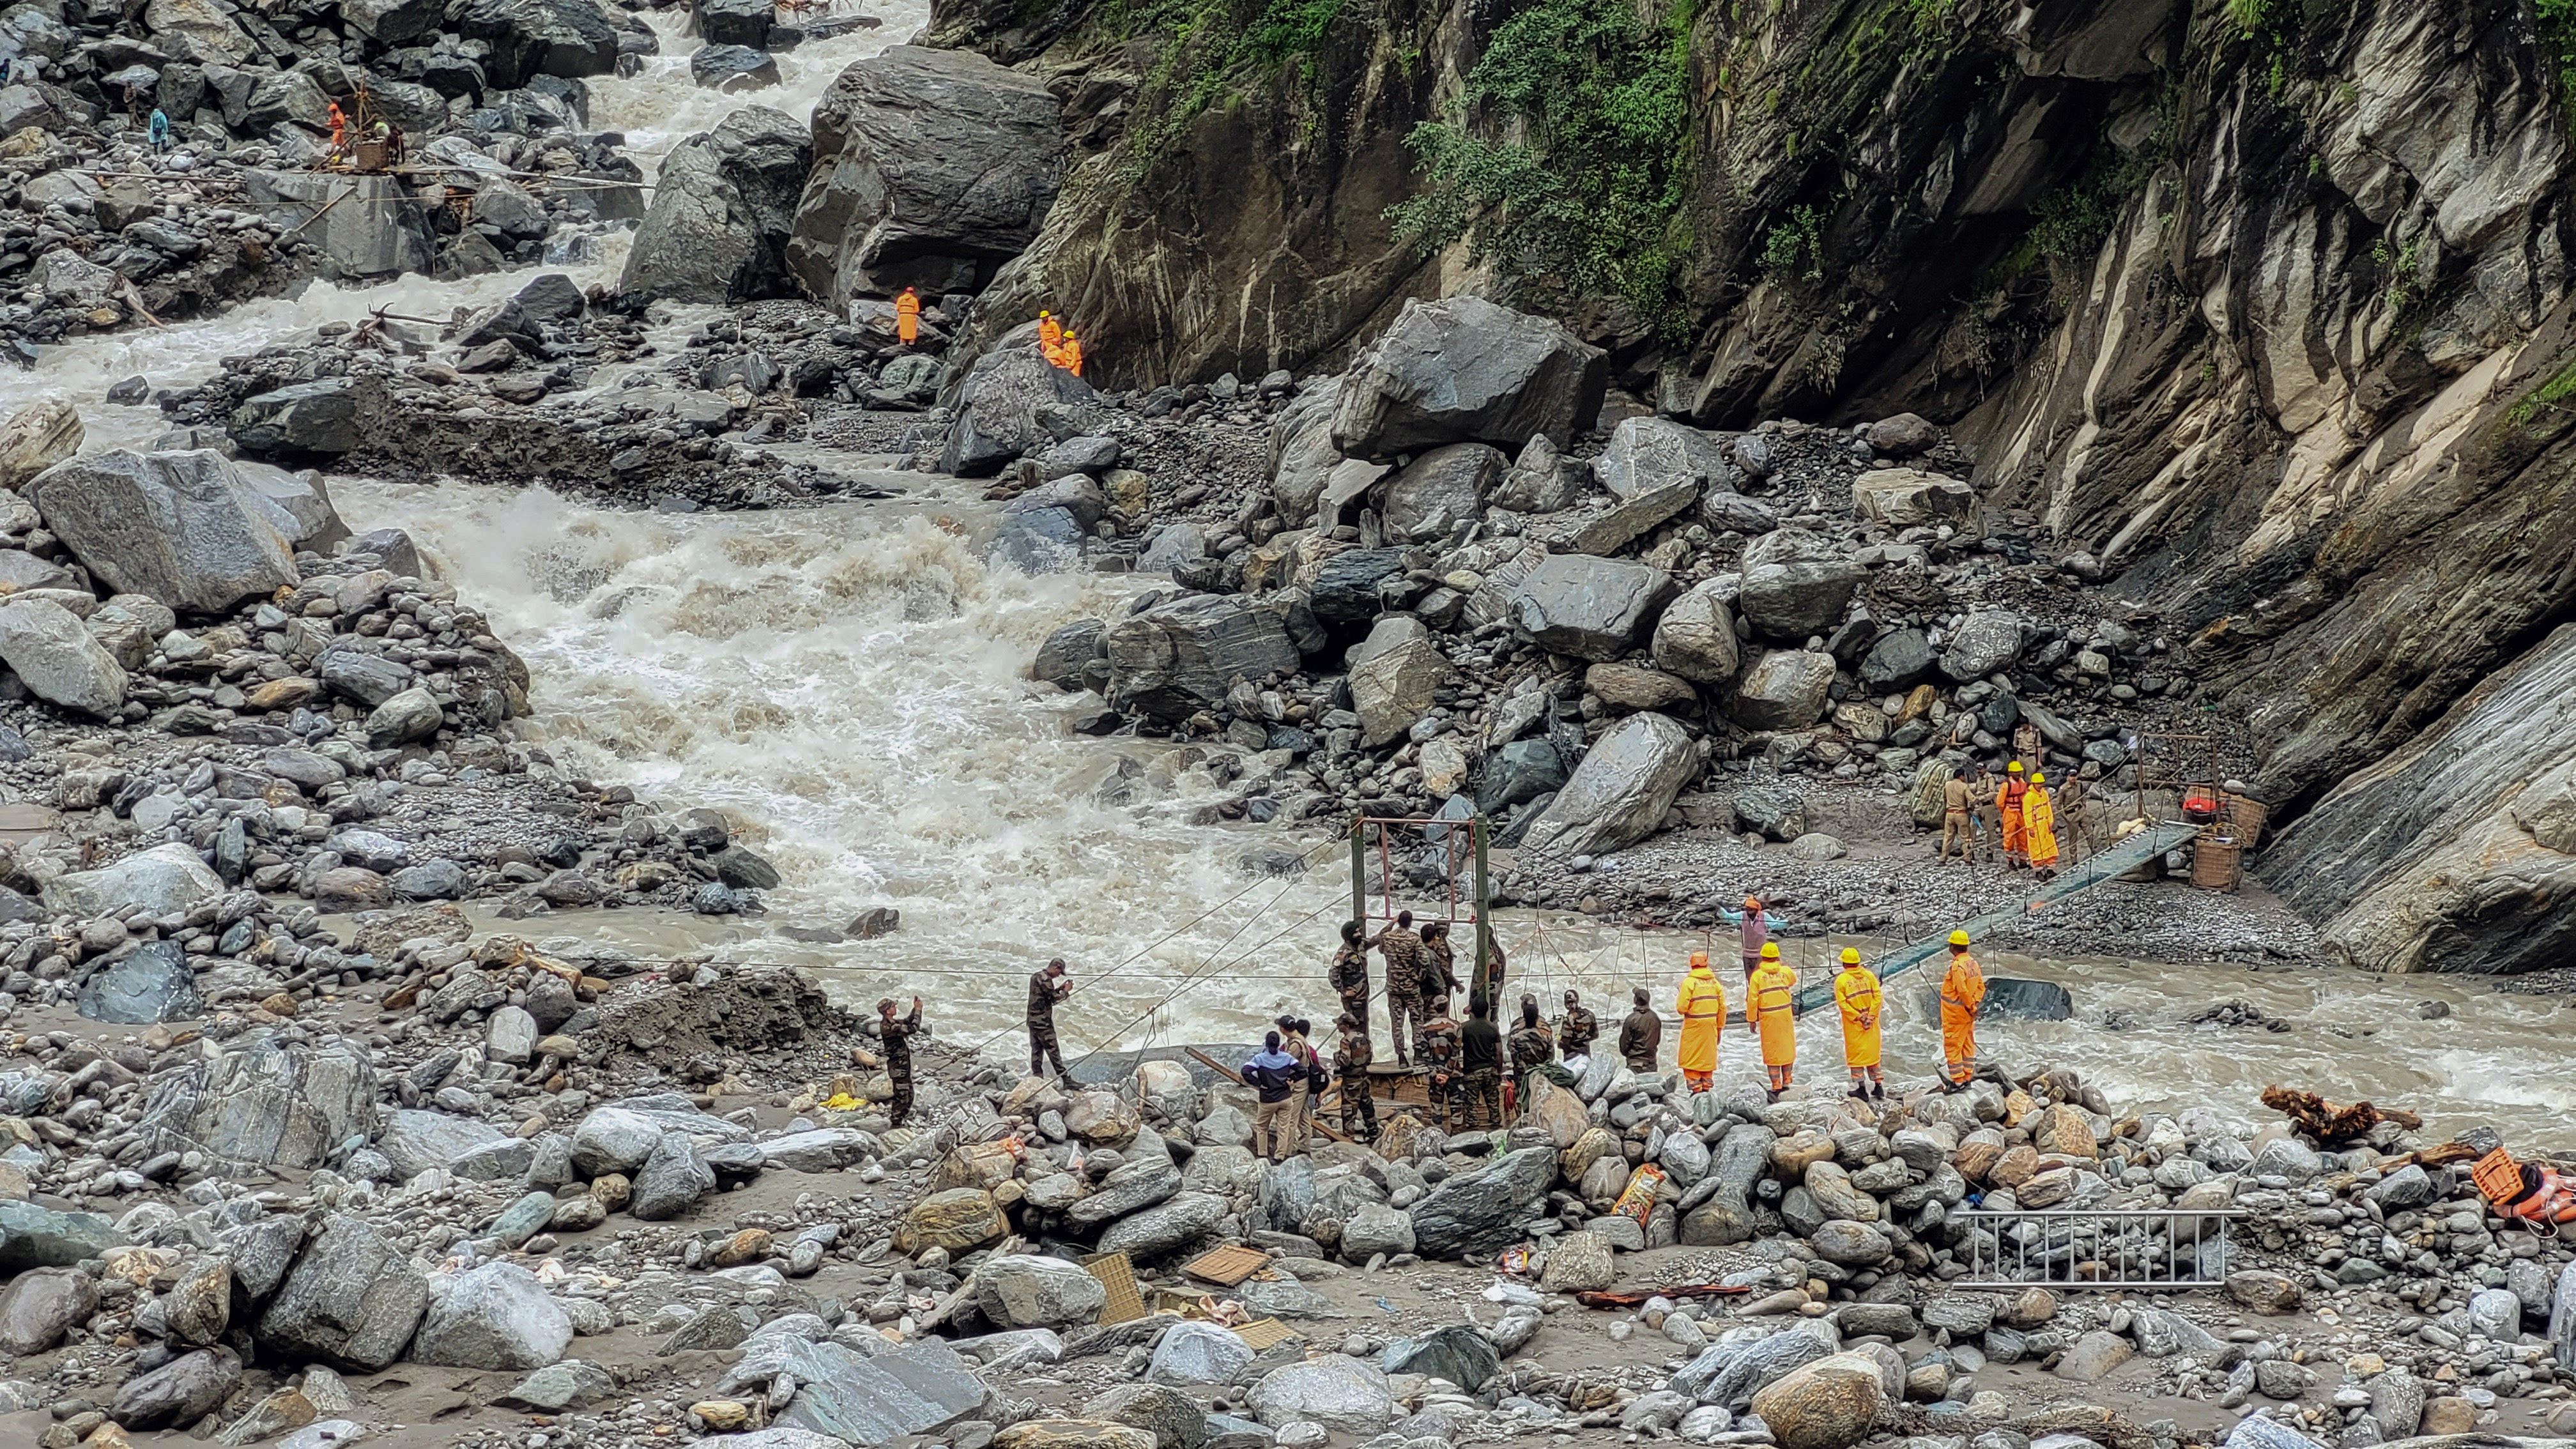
pixel 1633 1299
pixel 2330 1122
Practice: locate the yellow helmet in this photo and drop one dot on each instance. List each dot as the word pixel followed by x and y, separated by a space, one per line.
pixel 1851 955
pixel 1698 959
pixel 1043 314
pixel 1958 938
pixel 1770 950
pixel 2037 778
pixel 2013 769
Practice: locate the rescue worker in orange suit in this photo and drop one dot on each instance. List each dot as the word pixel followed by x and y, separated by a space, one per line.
pixel 2039 827
pixel 907 317
pixel 1856 992
pixel 1072 354
pixel 1770 1008
pixel 1963 994
pixel 1702 1005
pixel 2016 829
pixel 1050 334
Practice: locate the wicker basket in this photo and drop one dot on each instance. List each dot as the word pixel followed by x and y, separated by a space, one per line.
pixel 2214 864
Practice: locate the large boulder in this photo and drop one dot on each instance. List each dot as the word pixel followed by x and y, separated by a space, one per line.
pixel 374 226
pixel 1730 1373
pixel 152 985
pixel 530 38
pixel 1540 480
pixel 1198 1353
pixel 1302 455
pixel 1988 642
pixel 722 209
pixel 41 1305
pixel 264 1103
pixel 1394 688
pixel 183 528
pixel 1429 497
pixel 1479 1212
pixel 35 438
pixel 1649 453
pixel 1620 792
pixel 1000 406
pixel 1463 369
pixel 1786 689
pixel 54 654
pixel 165 880
pixel 1024 1290
pixel 734 22
pixel 931 169
pixel 43 1237
pixel 494 1316
pixel 1341 1393
pixel 1904 497
pixel 1178 658
pixel 351 1301
pixel 1796 585
pixel 1591 608
pixel 1695 637
pixel 416 1141
pixel 958 1219
pixel 1828 1404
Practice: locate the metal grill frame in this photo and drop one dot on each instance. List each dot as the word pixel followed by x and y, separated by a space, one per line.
pixel 2011 1264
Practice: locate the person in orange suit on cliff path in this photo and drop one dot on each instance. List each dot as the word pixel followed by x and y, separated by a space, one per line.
pixel 907 317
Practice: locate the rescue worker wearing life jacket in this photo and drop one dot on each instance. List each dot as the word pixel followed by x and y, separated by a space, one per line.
pixel 1856 992
pixel 2039 827
pixel 2016 828
pixel 1770 1008
pixel 1050 333
pixel 1963 995
pixel 1071 353
pixel 907 317
pixel 1702 1005
pixel 2524 1190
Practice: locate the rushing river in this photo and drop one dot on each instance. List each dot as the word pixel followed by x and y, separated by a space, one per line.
pixel 847 683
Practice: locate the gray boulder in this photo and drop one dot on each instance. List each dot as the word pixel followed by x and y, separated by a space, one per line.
pixel 375 226
pixel 1540 480
pixel 360 677
pixel 999 407
pixel 1302 455
pixel 492 1316
pixel 614 1139
pixel 732 68
pixel 165 880
pixel 153 984
pixel 1728 1374
pixel 1463 369
pixel 1178 658
pixel 1198 1353
pixel 407 718
pixel 1130 1187
pixel 931 168
pixel 180 1392
pixel 1068 652
pixel 311 522
pixel 35 438
pixel 40 1305
pixel 1429 497
pixel 1518 772
pixel 733 22
pixel 1480 1212
pixel 1796 585
pixel 1905 497
pixel 529 38
pixel 1341 1393
pixel 41 1237
pixel 726 198
pixel 1027 1291
pixel 1161 1230
pixel 351 1301
pixel 1592 608
pixel 59 660
pixel 1902 658
pixel 1621 791
pixel 183 528
pixel 1988 642
pixel 1785 689
pixel 671 1179
pixel 1458 1352
pixel 1695 637
pixel 1648 454
pixel 1345 588
pixel 416 1141
pixel 1393 689
pixel 264 1103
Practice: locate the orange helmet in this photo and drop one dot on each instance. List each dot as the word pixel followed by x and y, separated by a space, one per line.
pixel 1698 959
pixel 1753 903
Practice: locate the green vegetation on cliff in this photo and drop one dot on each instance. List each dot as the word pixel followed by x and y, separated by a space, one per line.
pixel 1204 48
pixel 1565 158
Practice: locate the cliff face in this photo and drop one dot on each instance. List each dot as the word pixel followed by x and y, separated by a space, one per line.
pixel 2263 303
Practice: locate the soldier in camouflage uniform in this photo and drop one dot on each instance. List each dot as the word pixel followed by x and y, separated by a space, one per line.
pixel 1403 952
pixel 1480 1054
pixel 1439 963
pixel 1531 1045
pixel 1438 1049
pixel 1046 988
pixel 1577 1029
pixel 1350 977
pixel 1351 1062
pixel 896 1034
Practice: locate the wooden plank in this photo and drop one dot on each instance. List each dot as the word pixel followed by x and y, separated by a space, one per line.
pixel 1227 1266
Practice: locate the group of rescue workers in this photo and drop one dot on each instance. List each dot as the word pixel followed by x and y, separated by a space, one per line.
pixel 2018 812
pixel 1056 342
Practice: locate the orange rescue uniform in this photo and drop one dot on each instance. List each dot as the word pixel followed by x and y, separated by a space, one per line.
pixel 1050 336
pixel 1770 1005
pixel 2016 829
pixel 907 318
pixel 1072 353
pixel 1963 992
pixel 1702 1006
pixel 1856 992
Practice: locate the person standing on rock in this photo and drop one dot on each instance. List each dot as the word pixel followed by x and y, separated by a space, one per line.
pixel 1438 960
pixel 2039 827
pixel 2016 828
pixel 907 317
pixel 1532 1047
pixel 1480 1061
pixel 1755 925
pixel 1770 1008
pixel 1641 1037
pixel 1272 1074
pixel 1402 950
pixel 1856 992
pixel 1046 989
pixel 1958 820
pixel 1351 1062
pixel 1350 976
pixel 896 1033
pixel 1577 1029
pixel 1703 1011
pixel 1963 995
pixel 1438 1050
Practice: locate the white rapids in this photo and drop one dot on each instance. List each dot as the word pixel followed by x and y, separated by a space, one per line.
pixel 847 683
